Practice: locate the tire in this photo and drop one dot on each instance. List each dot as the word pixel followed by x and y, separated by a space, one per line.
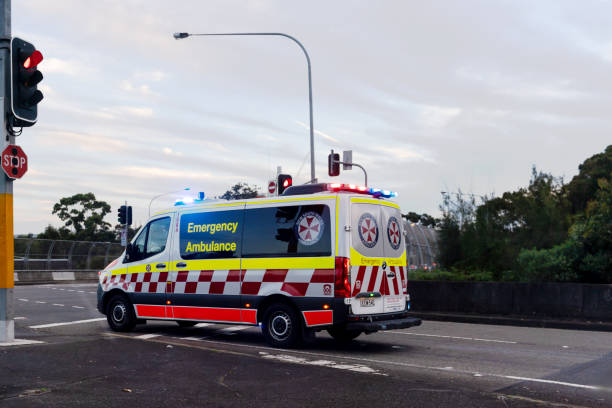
pixel 186 323
pixel 120 314
pixel 281 326
pixel 342 335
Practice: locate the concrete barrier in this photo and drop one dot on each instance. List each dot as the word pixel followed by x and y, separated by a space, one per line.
pixel 35 277
pixel 556 300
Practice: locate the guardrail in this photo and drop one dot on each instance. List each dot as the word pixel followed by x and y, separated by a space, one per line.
pixel 44 255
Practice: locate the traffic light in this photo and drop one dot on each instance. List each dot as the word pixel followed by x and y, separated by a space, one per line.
pixel 122 214
pixel 25 77
pixel 333 164
pixel 284 181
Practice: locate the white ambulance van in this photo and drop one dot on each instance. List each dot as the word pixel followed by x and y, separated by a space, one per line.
pixel 320 257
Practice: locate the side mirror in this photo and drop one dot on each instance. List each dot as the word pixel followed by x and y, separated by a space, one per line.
pixel 129 250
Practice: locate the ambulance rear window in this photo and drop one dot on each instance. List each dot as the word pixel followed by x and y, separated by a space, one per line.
pixel 288 231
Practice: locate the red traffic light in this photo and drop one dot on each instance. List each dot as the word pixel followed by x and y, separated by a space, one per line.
pixel 33 60
pixel 287 183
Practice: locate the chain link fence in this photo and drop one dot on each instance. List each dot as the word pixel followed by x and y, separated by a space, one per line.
pixel 36 255
pixel 421 246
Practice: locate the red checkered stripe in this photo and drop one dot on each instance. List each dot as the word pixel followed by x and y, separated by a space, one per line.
pixel 147 282
pixel 371 279
pixel 257 282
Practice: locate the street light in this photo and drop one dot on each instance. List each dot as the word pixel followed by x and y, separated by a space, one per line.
pixel 163 194
pixel 179 36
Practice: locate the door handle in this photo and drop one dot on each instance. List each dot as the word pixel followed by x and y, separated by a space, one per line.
pixel 160 265
pixel 181 265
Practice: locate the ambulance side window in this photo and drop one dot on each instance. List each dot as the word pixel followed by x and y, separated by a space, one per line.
pixel 211 234
pixel 288 231
pixel 151 240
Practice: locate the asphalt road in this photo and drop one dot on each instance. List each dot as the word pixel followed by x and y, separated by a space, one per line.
pixel 82 363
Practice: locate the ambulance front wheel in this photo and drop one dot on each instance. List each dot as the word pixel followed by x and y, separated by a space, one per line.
pixel 120 314
pixel 281 326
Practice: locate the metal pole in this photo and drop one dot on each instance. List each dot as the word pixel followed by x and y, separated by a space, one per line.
pixel 7 245
pixel 313 179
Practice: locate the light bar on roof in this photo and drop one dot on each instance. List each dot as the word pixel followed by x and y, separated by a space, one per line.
pixel 376 192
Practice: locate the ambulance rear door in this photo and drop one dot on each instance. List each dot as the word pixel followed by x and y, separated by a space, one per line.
pixel 395 258
pixel 368 280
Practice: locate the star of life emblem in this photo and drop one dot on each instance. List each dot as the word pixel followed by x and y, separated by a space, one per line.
pixel 393 233
pixel 368 230
pixel 309 228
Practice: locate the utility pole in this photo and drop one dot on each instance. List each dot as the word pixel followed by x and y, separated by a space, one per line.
pixel 7 324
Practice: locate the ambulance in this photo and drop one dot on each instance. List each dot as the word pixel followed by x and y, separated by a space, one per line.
pixel 319 257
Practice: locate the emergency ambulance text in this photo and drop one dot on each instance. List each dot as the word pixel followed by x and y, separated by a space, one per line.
pixel 210 247
pixel 212 228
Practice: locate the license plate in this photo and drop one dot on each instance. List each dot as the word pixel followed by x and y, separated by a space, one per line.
pixel 366 302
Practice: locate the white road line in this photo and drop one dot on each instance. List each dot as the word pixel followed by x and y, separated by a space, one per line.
pixel 203 325
pixel 24 300
pixel 20 342
pixel 192 338
pixel 147 336
pixel 61 289
pixel 78 307
pixel 57 304
pixel 452 337
pixel 234 329
pixel 44 326
pixel 81 291
pixel 93 293
pixel 20 318
pixel 70 290
pixel 41 302
pixel 422 367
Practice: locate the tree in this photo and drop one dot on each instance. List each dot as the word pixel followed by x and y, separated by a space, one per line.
pixel 240 191
pixel 83 218
pixel 584 185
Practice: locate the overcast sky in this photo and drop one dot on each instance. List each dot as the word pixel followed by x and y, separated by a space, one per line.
pixel 430 96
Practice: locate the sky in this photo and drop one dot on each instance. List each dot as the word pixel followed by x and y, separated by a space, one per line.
pixel 430 96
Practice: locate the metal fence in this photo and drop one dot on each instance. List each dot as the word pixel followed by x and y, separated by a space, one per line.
pixel 32 254
pixel 421 246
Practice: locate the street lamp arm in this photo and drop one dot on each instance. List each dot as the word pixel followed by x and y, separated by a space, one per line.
pixel 179 36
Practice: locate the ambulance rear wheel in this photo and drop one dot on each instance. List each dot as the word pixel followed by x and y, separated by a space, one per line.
pixel 281 326
pixel 342 335
pixel 120 314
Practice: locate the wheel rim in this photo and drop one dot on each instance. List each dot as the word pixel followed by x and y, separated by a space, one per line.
pixel 119 311
pixel 280 326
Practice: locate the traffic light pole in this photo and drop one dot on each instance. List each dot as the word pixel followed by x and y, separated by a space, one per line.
pixel 7 324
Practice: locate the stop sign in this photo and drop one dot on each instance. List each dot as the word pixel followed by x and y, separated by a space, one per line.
pixel 272 186
pixel 14 161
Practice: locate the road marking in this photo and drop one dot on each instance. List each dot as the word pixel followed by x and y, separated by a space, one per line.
pixel 203 325
pixel 61 289
pixel 452 337
pixel 147 336
pixel 41 302
pixel 287 358
pixel 193 338
pixel 70 290
pixel 233 329
pixel 78 307
pixel 57 304
pixel 93 293
pixel 20 342
pixel 24 300
pixel 44 326
pixel 20 318
pixel 410 365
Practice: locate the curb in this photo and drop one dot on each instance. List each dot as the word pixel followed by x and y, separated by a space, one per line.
pixel 521 321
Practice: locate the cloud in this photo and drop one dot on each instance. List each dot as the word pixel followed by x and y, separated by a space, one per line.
pixel 318 132
pixel 63 66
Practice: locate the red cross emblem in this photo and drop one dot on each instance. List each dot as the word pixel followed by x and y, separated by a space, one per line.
pixel 393 233
pixel 368 230
pixel 309 228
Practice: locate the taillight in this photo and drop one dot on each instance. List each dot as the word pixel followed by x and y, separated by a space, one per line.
pixel 342 278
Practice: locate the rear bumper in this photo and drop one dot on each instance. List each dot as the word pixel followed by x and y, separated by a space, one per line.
pixel 392 324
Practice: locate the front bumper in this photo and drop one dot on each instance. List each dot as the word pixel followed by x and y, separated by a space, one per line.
pixel 376 325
